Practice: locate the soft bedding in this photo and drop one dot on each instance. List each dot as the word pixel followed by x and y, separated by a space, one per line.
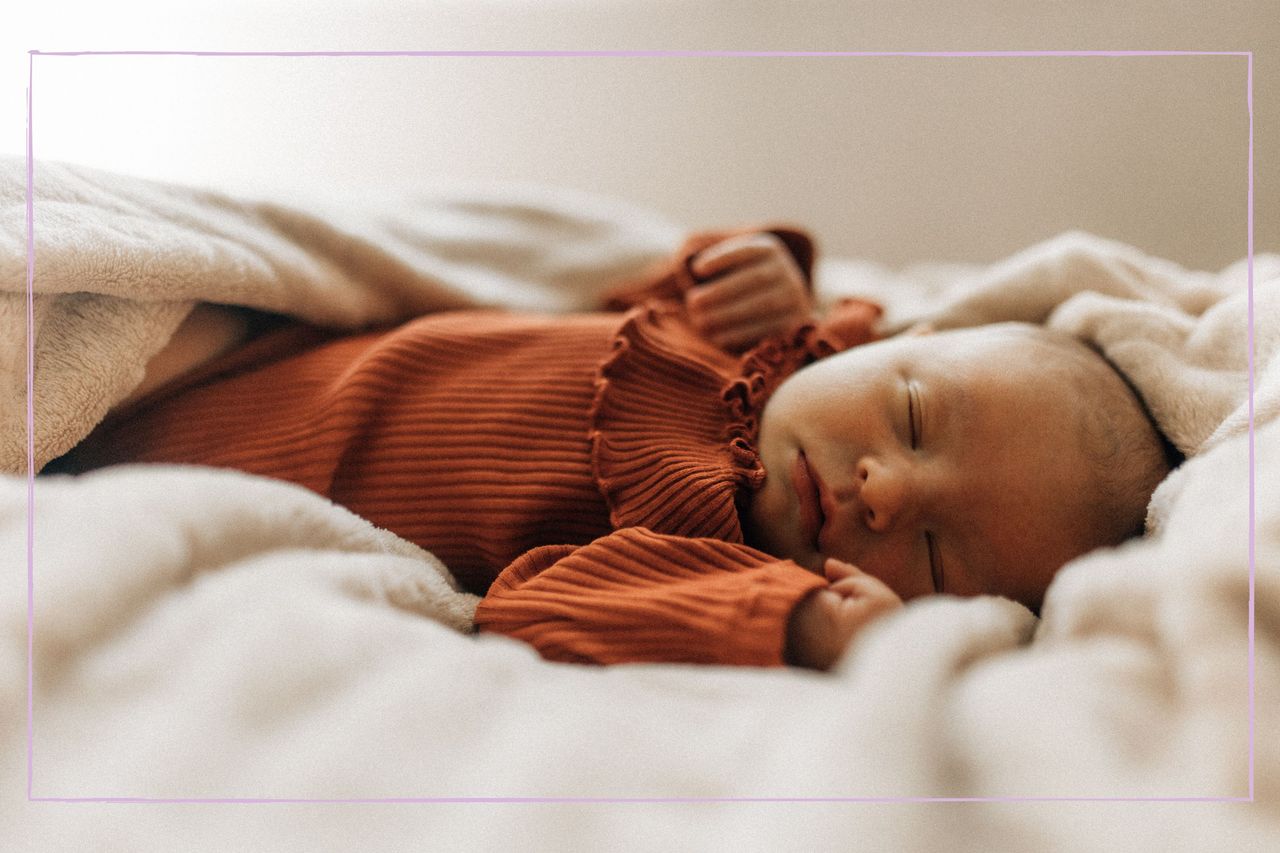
pixel 207 634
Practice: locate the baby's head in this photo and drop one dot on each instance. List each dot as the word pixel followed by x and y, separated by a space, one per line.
pixel 971 461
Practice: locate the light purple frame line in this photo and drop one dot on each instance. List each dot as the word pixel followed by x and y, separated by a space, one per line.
pixel 604 53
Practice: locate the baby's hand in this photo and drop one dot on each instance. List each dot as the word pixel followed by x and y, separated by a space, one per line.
pixel 751 287
pixel 822 624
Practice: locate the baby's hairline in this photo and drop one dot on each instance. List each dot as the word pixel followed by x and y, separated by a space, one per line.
pixel 1129 453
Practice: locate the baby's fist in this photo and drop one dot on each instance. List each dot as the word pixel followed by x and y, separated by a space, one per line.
pixel 823 624
pixel 750 287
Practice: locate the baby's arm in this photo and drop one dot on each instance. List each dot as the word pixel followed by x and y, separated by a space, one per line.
pixel 637 596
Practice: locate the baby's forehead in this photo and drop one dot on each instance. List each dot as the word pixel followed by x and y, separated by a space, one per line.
pixel 1004 369
pixel 1010 347
pixel 1010 344
pixel 1007 334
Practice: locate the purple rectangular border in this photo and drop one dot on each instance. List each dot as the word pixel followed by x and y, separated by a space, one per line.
pixel 601 53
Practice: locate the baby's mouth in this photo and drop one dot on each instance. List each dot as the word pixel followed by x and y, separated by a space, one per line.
pixel 809 496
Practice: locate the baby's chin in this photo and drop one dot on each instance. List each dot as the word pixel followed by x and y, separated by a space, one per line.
pixel 776 546
pixel 812 561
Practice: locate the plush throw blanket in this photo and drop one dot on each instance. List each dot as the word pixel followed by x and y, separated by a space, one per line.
pixel 119 262
pixel 202 633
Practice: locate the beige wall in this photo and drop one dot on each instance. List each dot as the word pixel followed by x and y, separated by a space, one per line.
pixel 895 159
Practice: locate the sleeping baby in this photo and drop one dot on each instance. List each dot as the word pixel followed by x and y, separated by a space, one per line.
pixel 701 473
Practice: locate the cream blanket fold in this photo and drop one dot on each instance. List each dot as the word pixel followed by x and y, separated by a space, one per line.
pixel 120 261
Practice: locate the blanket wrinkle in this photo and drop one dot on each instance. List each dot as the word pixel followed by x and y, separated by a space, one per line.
pixel 1028 285
pixel 913 663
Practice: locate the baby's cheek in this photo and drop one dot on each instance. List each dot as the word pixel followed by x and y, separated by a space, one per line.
pixel 894 579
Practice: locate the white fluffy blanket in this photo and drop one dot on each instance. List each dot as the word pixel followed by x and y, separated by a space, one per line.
pixel 120 262
pixel 206 634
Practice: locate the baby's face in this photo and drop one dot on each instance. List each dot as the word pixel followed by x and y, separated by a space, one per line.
pixel 938 463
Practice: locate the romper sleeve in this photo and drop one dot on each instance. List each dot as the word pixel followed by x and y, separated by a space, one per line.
pixel 637 596
pixel 669 279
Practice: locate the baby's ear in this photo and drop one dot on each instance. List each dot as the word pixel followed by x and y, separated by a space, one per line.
pixel 919 329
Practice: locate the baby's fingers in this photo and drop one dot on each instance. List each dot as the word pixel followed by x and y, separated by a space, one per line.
pixel 850 582
pixel 744 307
pixel 760 302
pixel 735 252
pixel 733 288
pixel 867 604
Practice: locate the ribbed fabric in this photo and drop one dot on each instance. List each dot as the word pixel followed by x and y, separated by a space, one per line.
pixel 462 432
pixel 483 436
pixel 637 596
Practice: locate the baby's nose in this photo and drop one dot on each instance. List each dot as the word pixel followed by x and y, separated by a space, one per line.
pixel 884 494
